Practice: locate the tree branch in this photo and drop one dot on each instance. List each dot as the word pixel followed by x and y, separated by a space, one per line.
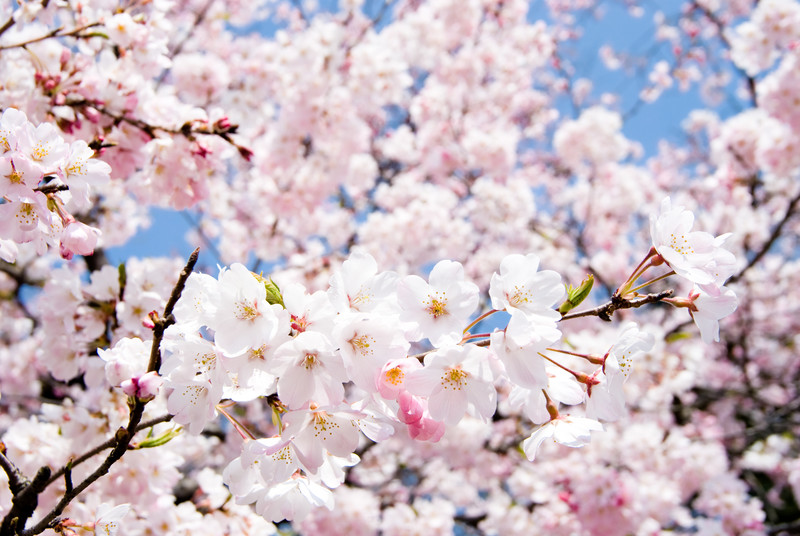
pixel 606 310
pixel 774 235
pixel 103 446
pixel 120 442
pixel 54 33
pixel 751 82
pixel 16 480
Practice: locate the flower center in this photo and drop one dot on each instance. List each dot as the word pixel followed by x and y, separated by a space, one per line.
pixel 40 151
pixel 247 311
pixel 454 378
pixel 395 376
pixel 520 295
pixel 361 299
pixel 310 361
pixel 681 244
pixel 361 345
pixel 437 305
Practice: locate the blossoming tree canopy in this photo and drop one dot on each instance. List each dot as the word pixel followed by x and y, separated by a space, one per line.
pixel 439 254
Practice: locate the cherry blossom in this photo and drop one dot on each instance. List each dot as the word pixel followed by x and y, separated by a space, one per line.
pixel 244 319
pixel 108 519
pixel 709 305
pixel 309 370
pixel 440 308
pixel 568 430
pixel 695 255
pixel 327 160
pixel 455 379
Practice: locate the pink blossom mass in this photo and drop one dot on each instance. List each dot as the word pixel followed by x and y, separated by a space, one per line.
pixel 399 267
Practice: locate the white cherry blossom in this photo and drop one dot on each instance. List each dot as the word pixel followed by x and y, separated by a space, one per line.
pixel 244 319
pixel 309 370
pixel 568 430
pixel 696 255
pixel 318 432
pixel 709 305
pixel 366 343
pixel 520 287
pixel 192 401
pixel 293 499
pixel 358 286
pixel 441 307
pixel 456 380
pixel 108 519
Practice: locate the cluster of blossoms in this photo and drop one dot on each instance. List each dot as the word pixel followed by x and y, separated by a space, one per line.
pixel 34 160
pixel 698 257
pixel 336 362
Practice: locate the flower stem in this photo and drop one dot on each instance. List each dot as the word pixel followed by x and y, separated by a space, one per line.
pixel 485 315
pixel 242 429
pixel 654 280
pixel 595 360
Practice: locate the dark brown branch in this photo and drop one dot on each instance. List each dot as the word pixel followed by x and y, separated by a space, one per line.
pixel 16 480
pixel 774 235
pixel 606 310
pixel 24 502
pixel 785 528
pixel 167 320
pixel 188 130
pixel 6 25
pixel 51 188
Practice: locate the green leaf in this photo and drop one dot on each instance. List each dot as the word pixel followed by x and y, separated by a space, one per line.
pixel 576 295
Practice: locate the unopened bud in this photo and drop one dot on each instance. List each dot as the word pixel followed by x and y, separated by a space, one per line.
pixel 576 295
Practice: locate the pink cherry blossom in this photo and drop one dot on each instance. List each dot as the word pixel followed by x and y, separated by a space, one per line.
pixel 78 238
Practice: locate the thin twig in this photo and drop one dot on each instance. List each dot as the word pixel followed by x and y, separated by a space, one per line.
pixel 104 446
pixel 751 82
pixel 774 235
pixel 167 320
pixel 54 33
pixel 51 188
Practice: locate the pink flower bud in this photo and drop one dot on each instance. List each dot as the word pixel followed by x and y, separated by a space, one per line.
pixel 145 386
pixel 78 238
